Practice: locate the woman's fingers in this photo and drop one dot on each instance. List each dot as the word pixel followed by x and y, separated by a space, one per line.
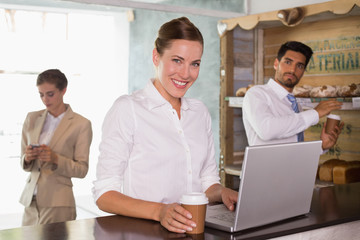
pixel 176 219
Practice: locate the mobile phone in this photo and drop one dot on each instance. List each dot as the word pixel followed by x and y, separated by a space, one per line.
pixel 35 145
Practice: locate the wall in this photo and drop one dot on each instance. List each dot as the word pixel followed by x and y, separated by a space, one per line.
pixel 143 32
pixel 260 6
pixel 146 25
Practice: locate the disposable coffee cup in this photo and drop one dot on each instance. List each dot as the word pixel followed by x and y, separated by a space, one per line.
pixel 195 203
pixel 332 121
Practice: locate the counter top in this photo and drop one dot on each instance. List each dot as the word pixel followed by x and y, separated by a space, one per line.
pixel 331 206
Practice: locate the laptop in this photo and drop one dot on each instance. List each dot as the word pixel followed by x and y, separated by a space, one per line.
pixel 277 183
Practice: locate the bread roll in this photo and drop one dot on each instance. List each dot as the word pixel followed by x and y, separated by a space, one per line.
pixel 357 90
pixel 351 90
pixel 347 173
pixel 242 91
pixel 324 91
pixel 326 169
pixel 302 91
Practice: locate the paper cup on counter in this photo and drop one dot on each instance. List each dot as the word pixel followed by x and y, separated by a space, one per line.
pixel 196 203
pixel 332 121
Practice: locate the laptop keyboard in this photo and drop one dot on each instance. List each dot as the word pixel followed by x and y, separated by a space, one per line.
pixel 220 212
pixel 226 217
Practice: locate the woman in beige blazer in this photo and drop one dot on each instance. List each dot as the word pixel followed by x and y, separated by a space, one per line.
pixel 55 147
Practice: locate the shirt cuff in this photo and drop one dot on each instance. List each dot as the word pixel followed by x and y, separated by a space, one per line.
pixel 106 185
pixel 311 117
pixel 209 181
pixel 324 151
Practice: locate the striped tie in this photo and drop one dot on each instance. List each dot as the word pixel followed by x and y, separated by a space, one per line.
pixel 295 107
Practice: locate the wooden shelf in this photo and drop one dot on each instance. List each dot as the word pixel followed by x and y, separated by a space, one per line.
pixel 233 169
pixel 348 103
pixel 306 103
pixel 235 101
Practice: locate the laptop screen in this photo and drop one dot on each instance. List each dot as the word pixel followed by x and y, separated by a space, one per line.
pixel 277 183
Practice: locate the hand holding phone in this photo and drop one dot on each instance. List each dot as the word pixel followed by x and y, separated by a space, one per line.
pixel 31 152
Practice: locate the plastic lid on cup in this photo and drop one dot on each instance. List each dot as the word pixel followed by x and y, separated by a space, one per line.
pixel 333 116
pixel 194 198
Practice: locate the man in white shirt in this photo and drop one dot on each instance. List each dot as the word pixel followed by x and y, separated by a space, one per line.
pixel 268 114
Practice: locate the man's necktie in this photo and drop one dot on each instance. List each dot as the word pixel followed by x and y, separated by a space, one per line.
pixel 295 107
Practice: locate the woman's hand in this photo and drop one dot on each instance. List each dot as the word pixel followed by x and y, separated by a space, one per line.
pixel 47 155
pixel 219 193
pixel 229 198
pixel 175 218
pixel 31 153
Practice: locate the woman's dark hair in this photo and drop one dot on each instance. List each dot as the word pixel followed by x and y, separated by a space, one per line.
pixel 179 28
pixel 297 47
pixel 53 76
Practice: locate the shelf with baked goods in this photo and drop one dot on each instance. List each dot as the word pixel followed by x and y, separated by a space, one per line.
pixel 248 46
pixel 349 103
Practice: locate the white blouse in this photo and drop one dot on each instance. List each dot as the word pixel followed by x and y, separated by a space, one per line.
pixel 148 153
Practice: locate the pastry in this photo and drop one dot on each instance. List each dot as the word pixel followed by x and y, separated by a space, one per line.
pixel 323 91
pixel 242 91
pixel 357 90
pixel 351 90
pixel 302 91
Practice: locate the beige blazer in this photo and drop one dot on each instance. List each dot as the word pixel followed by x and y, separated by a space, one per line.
pixel 71 142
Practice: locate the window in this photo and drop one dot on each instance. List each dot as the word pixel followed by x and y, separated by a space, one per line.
pixel 90 48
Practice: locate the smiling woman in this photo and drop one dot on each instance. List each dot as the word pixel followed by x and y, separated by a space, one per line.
pixel 177 70
pixel 158 144
pixel 34 40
